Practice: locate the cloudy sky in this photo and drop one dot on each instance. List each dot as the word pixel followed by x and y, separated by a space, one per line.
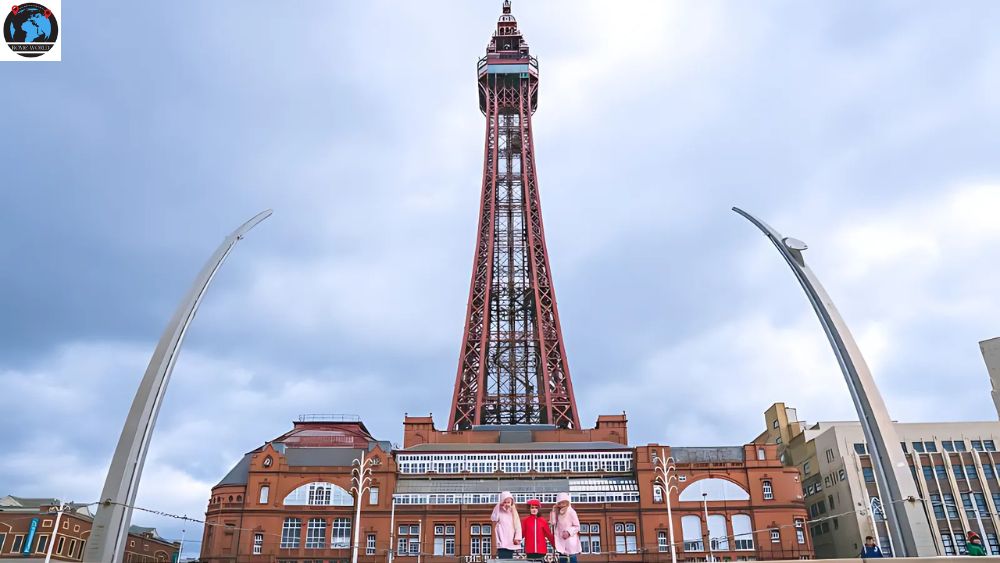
pixel 871 131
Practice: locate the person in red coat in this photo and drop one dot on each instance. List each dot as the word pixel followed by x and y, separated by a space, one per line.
pixel 535 531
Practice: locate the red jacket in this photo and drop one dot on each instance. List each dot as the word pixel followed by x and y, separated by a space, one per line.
pixel 535 530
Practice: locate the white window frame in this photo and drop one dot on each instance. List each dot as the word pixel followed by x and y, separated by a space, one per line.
pixel 767 489
pixel 258 543
pixel 370 544
pixel 265 492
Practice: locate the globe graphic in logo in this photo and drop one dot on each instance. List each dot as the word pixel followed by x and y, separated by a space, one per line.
pixel 30 29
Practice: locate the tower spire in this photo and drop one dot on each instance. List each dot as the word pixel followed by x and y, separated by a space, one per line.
pixel 512 368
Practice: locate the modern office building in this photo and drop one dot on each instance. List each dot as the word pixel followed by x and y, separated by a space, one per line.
pixel 954 465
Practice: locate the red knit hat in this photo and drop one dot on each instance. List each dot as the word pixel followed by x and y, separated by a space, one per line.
pixel 535 502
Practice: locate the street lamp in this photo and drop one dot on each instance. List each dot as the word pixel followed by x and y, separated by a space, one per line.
pixel 392 530
pixel 664 468
pixel 361 477
pixel 708 531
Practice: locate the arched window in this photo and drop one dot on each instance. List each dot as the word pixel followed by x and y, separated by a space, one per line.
pixel 716 489
pixel 742 532
pixel 691 525
pixel 717 532
pixel 767 490
pixel 319 494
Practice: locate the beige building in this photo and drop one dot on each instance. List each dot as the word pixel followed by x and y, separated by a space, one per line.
pixel 954 465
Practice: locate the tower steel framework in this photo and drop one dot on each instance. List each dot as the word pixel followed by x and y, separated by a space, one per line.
pixel 512 368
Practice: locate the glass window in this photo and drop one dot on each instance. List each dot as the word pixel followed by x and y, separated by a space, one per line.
pixel 950 506
pixel 742 532
pixel 340 533
pixel 291 532
pixel 625 540
pixel 768 492
pixel 444 540
pixel 928 472
pixel 590 538
pixel 774 424
pixel 931 447
pixel 662 544
pixel 761 455
pixel 948 445
pixel 959 447
pixel 408 541
pixel 842 474
pixel 988 471
pixel 903 445
pixel 991 539
pixel 805 468
pixel 657 493
pixel 859 448
pixel 970 472
pixel 316 533
pixel 691 528
pixel 258 543
pixel 370 545
pixel 937 506
pixel 989 446
pixel 918 447
pixel 940 471
pixel 957 470
pixel 775 535
pixel 869 474
pixel 800 532
pixel 718 536
pixel 949 546
pixel 373 495
pixel 264 490
pixel 977 445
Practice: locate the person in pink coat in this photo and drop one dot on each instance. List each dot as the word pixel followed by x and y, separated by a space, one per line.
pixel 566 528
pixel 506 526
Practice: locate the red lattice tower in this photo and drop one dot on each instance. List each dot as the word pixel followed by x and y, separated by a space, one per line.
pixel 513 367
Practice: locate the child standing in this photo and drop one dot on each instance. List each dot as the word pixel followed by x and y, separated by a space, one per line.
pixel 536 532
pixel 506 526
pixel 566 528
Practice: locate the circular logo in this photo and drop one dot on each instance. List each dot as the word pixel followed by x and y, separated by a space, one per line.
pixel 30 29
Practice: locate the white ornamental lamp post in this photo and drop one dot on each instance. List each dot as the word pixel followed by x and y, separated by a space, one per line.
pixel 664 469
pixel 361 477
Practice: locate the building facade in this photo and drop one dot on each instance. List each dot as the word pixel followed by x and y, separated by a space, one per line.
pixel 954 465
pixel 291 499
pixel 27 529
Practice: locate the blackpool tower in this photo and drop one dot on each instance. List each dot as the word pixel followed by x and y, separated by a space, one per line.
pixel 512 368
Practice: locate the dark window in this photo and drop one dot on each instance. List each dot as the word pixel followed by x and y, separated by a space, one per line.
pixel 918 447
pixel 826 527
pixel 869 474
pixel 977 445
pixel 931 447
pixel 950 506
pixel 957 470
pixel 830 498
pixel 947 445
pixel 859 448
pixel 822 507
pixel 928 472
pixel 938 507
pixel 940 471
pixel 970 472
pixel 960 445
pixel 981 504
pixel 903 445
pixel 989 446
pixel 988 471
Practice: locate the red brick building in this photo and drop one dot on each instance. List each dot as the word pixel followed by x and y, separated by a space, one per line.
pixel 19 515
pixel 290 500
